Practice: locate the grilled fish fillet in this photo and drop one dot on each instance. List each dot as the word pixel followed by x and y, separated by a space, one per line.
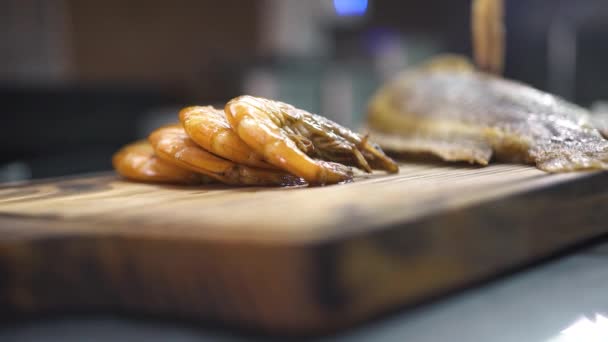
pixel 447 109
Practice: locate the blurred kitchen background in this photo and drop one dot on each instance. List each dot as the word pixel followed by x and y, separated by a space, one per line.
pixel 79 78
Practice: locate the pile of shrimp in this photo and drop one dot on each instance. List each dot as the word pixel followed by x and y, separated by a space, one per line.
pixel 252 141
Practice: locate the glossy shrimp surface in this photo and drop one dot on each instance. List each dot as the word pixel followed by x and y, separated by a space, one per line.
pixel 138 162
pixel 208 127
pixel 305 144
pixel 173 144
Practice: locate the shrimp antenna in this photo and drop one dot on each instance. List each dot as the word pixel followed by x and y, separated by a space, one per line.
pixel 487 25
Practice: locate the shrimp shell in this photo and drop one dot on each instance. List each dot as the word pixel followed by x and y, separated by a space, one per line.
pixel 136 161
pixel 173 144
pixel 208 127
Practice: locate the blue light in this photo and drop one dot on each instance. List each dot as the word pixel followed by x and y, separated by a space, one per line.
pixel 350 7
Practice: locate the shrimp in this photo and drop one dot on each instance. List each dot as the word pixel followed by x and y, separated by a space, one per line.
pixel 173 144
pixel 290 138
pixel 137 161
pixel 207 126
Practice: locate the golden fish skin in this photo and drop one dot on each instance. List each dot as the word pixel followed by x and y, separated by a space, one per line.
pixel 461 115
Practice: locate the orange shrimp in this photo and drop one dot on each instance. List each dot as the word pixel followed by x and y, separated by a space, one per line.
pixel 290 138
pixel 173 144
pixel 137 161
pixel 207 126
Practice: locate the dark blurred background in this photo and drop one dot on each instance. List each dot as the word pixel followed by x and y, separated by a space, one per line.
pixel 79 78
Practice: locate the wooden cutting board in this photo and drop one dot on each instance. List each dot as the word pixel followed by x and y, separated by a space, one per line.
pixel 283 260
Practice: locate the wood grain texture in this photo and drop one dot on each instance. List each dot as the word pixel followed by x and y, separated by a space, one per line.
pixel 283 260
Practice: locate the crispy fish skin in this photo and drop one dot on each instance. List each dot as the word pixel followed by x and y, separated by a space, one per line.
pixel 458 114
